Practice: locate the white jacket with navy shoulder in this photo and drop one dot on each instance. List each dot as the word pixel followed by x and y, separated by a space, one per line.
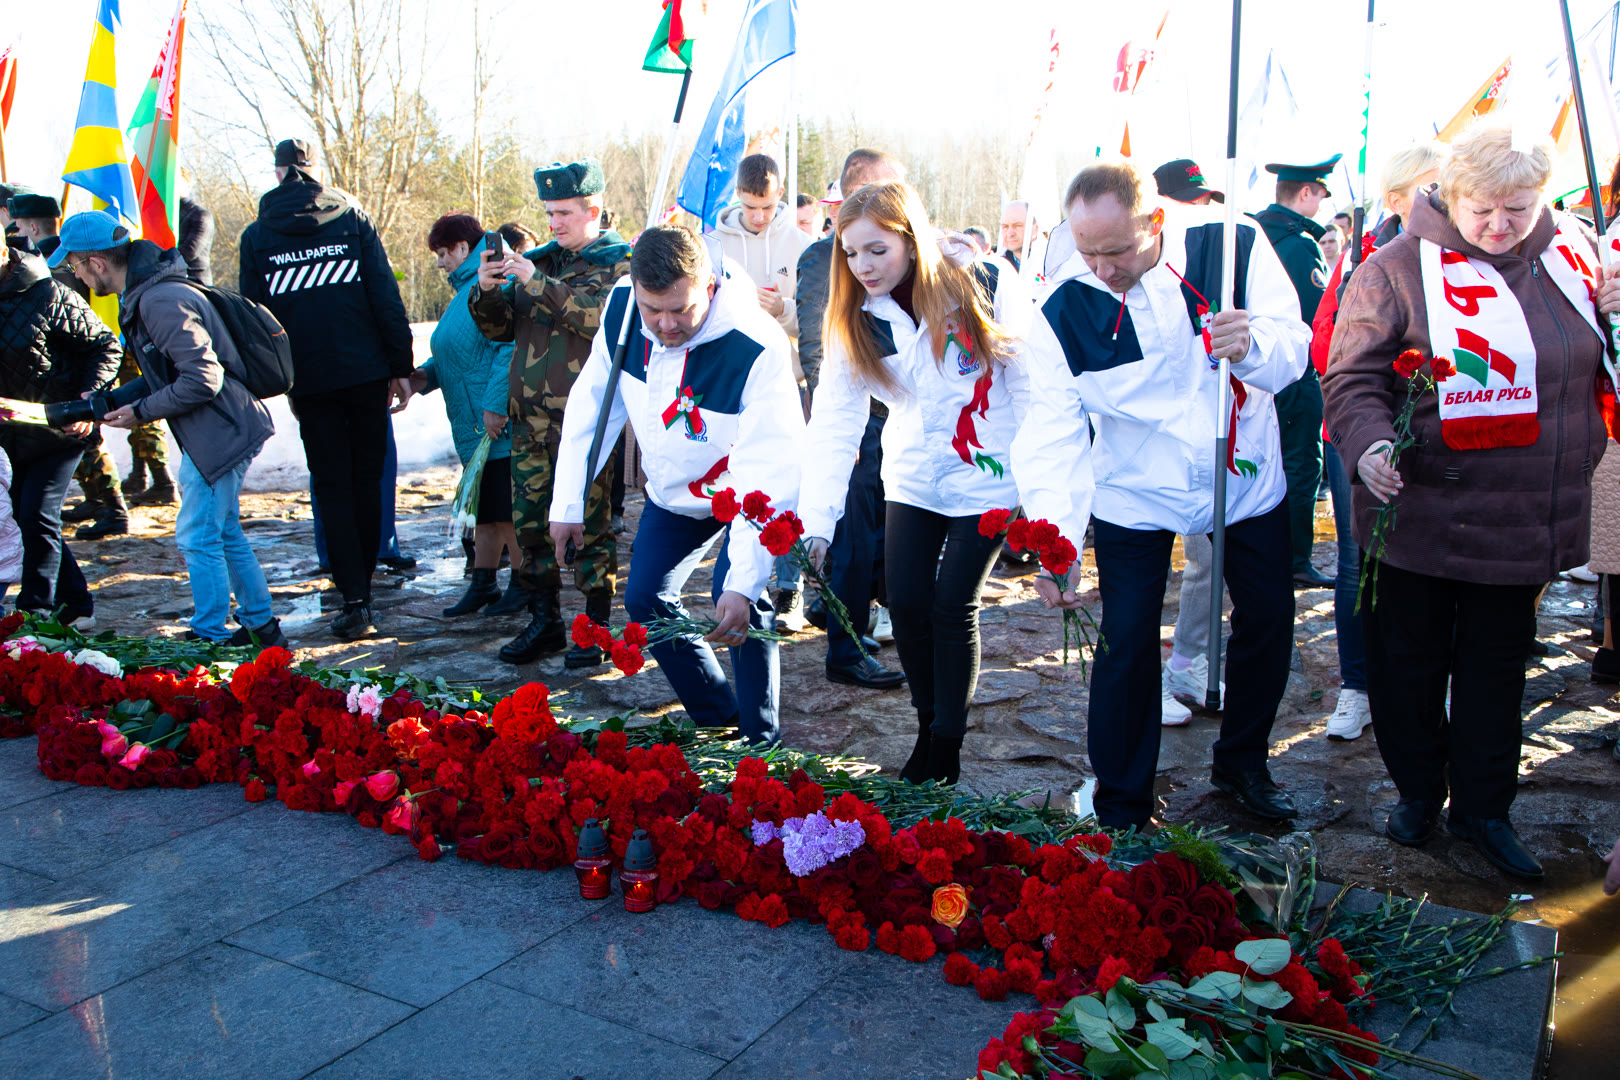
pixel 1148 389
pixel 948 438
pixel 743 428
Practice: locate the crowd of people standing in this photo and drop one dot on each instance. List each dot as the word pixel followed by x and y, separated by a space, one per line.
pixel 892 382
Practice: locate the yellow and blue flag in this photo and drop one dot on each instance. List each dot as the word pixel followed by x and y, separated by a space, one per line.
pixel 98 161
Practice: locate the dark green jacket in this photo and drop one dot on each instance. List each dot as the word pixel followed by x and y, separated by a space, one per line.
pixel 1293 236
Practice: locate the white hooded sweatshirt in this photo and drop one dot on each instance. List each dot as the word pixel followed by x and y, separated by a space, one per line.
pixel 741 426
pixel 771 257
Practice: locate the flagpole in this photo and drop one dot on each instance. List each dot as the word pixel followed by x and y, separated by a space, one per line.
pixel 654 212
pixel 1359 217
pixel 1592 181
pixel 1223 434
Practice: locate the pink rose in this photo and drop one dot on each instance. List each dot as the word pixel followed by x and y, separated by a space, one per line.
pixel 114 745
pixel 310 769
pixel 136 755
pixel 341 792
pixel 404 815
pixel 383 785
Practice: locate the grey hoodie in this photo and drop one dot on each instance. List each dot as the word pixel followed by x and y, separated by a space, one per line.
pixel 190 365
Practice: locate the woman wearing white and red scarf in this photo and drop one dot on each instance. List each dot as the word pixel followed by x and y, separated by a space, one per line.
pixel 924 326
pixel 1494 499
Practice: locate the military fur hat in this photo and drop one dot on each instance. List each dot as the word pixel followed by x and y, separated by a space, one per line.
pixel 572 181
pixel 33 206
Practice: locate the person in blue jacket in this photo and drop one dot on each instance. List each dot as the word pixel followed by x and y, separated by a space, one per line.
pixel 471 371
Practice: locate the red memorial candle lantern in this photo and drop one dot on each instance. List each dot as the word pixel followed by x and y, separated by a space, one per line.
pixel 639 878
pixel 594 866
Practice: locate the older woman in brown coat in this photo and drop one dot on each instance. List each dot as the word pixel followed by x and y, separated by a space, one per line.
pixel 1495 497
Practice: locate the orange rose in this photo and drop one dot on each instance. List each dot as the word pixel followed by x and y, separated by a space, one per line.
pixel 950 905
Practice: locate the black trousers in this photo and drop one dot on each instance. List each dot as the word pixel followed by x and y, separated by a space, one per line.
pixel 852 557
pixel 936 568
pixel 345 435
pixel 1122 735
pixel 1423 632
pixel 50 576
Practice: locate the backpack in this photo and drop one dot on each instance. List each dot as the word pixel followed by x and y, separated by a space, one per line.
pixel 260 340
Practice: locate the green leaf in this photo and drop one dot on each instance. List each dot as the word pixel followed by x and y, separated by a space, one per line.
pixel 1154 1057
pixel 1217 984
pixel 1091 1020
pixel 1120 1011
pixel 1241 1070
pixel 1265 956
pixel 1158 1011
pixel 163 725
pixel 1110 1063
pixel 1170 1036
pixel 1275 1035
pixel 1267 995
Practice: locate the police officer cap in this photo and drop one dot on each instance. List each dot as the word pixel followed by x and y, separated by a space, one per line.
pixel 1306 174
pixel 290 152
pixel 33 206
pixel 572 181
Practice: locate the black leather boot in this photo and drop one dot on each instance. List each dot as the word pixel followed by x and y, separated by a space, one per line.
pixel 135 482
pixel 112 520
pixel 544 634
pixel 481 593
pixel 916 767
pixel 160 492
pixel 944 759
pixel 514 601
pixel 599 606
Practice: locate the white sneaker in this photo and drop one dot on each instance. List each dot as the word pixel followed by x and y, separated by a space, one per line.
pixel 1583 574
pixel 790 611
pixel 1190 685
pixel 1172 712
pixel 882 627
pixel 1351 717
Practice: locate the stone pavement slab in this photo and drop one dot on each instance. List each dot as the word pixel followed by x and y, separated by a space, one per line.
pixel 93 931
pixel 417 931
pixel 489 1032
pixel 880 1016
pixel 79 828
pixel 20 778
pixel 16 1014
pixel 15 884
pixel 704 979
pixel 216 1012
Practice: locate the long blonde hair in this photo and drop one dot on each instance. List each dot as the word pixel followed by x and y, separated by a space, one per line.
pixel 941 287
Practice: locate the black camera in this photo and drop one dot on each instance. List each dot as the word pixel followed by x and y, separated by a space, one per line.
pixel 61 414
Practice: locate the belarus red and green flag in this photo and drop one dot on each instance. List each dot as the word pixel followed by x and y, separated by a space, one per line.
pixel 154 136
pixel 671 49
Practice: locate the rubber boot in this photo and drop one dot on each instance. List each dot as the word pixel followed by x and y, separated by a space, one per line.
pixel 161 490
pixel 944 760
pixel 481 593
pixel 916 769
pixel 516 599
pixel 135 482
pixel 544 634
pixel 599 606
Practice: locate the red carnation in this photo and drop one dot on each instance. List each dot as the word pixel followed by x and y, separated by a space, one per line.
pixel 627 658
pixel 1409 363
pixel 255 790
pixel 779 536
pixel 1113 969
pixel 1018 534
pixel 724 506
pixel 1441 368
pixel 916 944
pixel 935 866
pixel 583 631
pixel 959 970
pixel 772 911
pixel 634 634
pixel 1058 556
pixel 992 984
pixel 756 506
pixel 993 522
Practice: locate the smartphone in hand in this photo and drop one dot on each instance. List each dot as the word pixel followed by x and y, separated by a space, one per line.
pixel 494 249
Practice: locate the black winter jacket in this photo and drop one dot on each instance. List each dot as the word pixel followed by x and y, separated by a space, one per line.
pixel 314 259
pixel 52 348
pixel 196 240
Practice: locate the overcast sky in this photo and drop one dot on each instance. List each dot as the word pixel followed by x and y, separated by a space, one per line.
pixel 916 68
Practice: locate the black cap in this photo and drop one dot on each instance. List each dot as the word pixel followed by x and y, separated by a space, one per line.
pixel 33 206
pixel 1183 181
pixel 593 842
pixel 1306 174
pixel 639 855
pixel 291 152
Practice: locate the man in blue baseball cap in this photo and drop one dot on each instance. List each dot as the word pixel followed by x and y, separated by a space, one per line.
pixel 193 377
pixel 1294 234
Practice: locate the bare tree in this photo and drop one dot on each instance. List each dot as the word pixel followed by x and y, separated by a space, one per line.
pixel 344 66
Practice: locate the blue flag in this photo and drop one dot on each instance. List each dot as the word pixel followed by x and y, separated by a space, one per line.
pixel 768 34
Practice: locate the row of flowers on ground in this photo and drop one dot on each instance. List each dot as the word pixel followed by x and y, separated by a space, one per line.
pixel 1059 922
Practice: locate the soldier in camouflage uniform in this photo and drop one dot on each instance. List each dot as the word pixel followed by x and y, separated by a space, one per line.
pixel 550 309
pixel 148 482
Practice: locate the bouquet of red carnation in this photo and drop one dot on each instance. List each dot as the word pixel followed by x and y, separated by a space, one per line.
pixel 1421 375
pixel 623 647
pixel 782 533
pixel 1057 555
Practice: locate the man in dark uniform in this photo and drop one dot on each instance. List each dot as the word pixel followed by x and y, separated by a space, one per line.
pixel 1293 235
pixel 548 302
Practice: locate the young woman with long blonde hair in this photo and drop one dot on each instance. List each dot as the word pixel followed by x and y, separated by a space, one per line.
pixel 921 323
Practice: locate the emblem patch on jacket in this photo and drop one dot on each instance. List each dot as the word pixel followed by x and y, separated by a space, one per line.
pixel 685 408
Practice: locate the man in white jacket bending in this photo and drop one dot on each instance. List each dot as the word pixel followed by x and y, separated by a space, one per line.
pixel 708 388
pixel 1117 347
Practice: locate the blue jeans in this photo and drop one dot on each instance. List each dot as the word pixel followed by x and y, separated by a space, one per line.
pixel 1123 737
pixel 388 548
pixel 208 532
pixel 852 557
pixel 1346 623
pixel 786 573
pixel 669 547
